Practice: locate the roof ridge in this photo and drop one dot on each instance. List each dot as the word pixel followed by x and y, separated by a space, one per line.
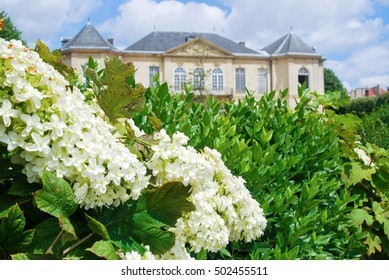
pixel 88 37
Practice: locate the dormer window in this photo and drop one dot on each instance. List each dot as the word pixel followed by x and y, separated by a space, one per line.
pixel 190 38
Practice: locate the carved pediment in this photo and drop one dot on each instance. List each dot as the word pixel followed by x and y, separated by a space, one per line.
pixel 198 47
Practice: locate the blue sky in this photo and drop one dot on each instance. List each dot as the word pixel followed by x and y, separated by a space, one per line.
pixel 353 35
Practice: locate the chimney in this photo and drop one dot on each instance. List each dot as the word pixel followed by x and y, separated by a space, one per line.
pixel 243 44
pixel 110 40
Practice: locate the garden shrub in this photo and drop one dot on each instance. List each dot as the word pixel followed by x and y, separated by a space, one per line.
pixel 292 159
pixel 91 184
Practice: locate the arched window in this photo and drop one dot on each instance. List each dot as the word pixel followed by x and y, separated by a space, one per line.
pixel 179 79
pixel 217 80
pixel 198 79
pixel 303 77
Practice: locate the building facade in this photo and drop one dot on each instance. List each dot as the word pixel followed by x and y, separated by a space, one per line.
pixel 208 62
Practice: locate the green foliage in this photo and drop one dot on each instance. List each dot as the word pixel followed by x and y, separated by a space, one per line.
pixel 54 58
pixel 68 232
pixel 9 31
pixel 375 127
pixel 115 88
pixel 12 236
pixel 57 199
pixel 300 164
pixel 374 115
pixel 331 81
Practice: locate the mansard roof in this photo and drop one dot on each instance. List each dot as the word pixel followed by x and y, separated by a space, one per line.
pixel 162 41
pixel 87 38
pixel 289 44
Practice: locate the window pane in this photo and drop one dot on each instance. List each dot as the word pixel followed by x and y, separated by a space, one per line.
pixel 262 80
pixel 240 79
pixel 179 79
pixel 198 78
pixel 152 71
pixel 217 80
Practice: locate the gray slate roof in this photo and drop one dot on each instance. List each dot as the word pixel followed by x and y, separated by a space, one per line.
pixel 88 38
pixel 161 41
pixel 289 44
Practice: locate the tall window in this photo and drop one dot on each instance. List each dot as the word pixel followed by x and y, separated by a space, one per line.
pixel 152 71
pixel 179 79
pixel 198 78
pixel 240 79
pixel 303 77
pixel 217 80
pixel 262 80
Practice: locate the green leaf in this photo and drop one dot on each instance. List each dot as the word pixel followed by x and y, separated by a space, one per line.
pixel 12 236
pixel 56 198
pixel 202 255
pixel 147 230
pixel 55 59
pixel 46 232
pixel 374 244
pixel 155 122
pixel 168 202
pixel 28 256
pixel 129 225
pixel 359 216
pixel 104 249
pixel 67 226
pixel 355 172
pixel 97 227
pixel 115 89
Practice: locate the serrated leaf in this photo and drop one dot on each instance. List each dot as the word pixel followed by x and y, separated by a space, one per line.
pixel 359 216
pixel 155 122
pixel 97 227
pixel 355 172
pixel 54 58
pixel 104 249
pixel 115 90
pixel 12 236
pixel 168 202
pixel 56 198
pixel 374 244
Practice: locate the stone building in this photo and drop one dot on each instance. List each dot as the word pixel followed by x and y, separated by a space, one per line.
pixel 211 63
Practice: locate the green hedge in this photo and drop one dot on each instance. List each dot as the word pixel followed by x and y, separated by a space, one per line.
pixel 293 163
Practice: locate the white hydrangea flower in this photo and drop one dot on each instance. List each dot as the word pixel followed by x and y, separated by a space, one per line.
pixel 134 255
pixel 52 128
pixel 225 210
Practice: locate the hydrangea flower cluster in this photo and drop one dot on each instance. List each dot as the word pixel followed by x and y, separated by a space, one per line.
pixel 50 127
pixel 47 126
pixel 225 210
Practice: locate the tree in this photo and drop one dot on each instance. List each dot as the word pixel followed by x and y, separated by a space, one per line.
pixel 331 81
pixel 9 30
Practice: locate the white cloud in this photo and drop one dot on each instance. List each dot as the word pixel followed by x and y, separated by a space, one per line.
pixel 41 19
pixel 137 18
pixel 367 66
pixel 382 81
